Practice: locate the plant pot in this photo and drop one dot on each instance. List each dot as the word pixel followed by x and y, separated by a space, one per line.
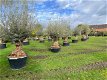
pixel 63 38
pixel 65 44
pixel 17 63
pixel 87 37
pixel 82 39
pixel 42 41
pixel 69 37
pixel 44 38
pixel 55 49
pixel 3 45
pixel 74 41
pixel 26 43
pixel 36 39
pixel 49 39
pixel 33 39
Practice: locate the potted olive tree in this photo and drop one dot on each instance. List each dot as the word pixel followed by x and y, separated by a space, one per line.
pixel 75 39
pixel 36 38
pixel 2 44
pixel 49 38
pixel 56 29
pixel 17 22
pixel 25 41
pixel 17 59
pixel 69 37
pixel 65 43
pixel 2 37
pixel 84 30
pixel 84 37
pixel 55 46
pixel 41 39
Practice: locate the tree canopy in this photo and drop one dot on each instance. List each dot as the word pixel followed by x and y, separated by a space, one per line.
pixel 82 29
pixel 15 18
pixel 59 28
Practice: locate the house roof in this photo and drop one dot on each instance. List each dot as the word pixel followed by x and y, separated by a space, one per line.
pixel 98 26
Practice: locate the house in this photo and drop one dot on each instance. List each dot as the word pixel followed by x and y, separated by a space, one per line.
pixel 99 28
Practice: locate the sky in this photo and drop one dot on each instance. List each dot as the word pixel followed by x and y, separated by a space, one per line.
pixel 77 11
pixel 89 12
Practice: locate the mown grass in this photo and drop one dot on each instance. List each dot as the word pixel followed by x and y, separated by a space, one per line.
pixel 79 61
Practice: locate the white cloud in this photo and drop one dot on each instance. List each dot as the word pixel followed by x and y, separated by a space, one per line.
pixel 39 1
pixel 68 3
pixel 90 11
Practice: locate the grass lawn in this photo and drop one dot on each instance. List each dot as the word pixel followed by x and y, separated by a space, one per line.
pixel 79 61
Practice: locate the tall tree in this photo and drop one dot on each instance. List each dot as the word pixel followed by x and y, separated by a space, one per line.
pixel 15 18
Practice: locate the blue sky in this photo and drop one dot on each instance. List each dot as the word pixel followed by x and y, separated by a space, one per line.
pixel 77 11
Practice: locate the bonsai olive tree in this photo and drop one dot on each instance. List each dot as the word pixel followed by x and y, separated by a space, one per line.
pixel 2 38
pixel 58 28
pixel 2 34
pixel 16 22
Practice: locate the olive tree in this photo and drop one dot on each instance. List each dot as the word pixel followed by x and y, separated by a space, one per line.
pixel 58 28
pixel 82 29
pixel 2 34
pixel 37 30
pixel 15 19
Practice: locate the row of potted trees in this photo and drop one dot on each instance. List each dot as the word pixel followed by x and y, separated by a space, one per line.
pixel 17 59
pixel 56 47
pixel 41 40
